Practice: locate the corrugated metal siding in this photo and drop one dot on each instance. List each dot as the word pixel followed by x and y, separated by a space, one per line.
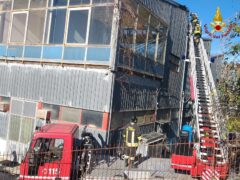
pixel 175 82
pixel 3 124
pixel 55 85
pixel 134 93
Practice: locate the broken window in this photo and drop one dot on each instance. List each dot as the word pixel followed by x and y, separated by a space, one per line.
pixel 55 109
pixel 152 36
pixel 101 25
pixel 18 27
pixel 77 28
pixel 55 26
pixel 93 118
pixel 20 4
pixel 70 114
pixel 35 33
pixel 142 30
pixel 4 26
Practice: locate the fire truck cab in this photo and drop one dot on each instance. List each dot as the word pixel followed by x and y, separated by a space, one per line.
pixel 51 153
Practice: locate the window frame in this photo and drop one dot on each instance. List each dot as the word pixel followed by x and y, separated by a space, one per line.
pixel 25 30
pixel 67 26
pixel 44 27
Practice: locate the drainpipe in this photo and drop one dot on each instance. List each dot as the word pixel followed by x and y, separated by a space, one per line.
pixel 114 43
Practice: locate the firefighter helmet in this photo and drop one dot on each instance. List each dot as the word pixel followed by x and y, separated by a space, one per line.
pixel 134 119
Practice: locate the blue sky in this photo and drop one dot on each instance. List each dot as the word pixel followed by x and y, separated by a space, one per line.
pixel 206 10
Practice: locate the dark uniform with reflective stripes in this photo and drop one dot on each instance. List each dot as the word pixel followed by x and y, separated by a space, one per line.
pixel 132 136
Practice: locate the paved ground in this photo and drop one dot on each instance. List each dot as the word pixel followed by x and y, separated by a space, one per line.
pixel 154 168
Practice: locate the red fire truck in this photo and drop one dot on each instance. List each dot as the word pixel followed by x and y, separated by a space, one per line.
pixel 56 152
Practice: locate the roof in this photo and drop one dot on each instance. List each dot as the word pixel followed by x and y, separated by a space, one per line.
pixel 59 128
pixel 174 3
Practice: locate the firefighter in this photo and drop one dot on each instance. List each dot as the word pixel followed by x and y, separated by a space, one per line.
pixel 132 137
pixel 197 33
pixel 194 20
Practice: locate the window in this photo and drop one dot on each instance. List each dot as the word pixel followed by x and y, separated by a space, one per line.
pixel 77 2
pixel 35 33
pixel 128 19
pixel 55 3
pixel 152 35
pixel 49 149
pixel 14 128
pixel 54 110
pixel 92 118
pixel 38 3
pixel 77 28
pixel 20 4
pixel 101 25
pixel 26 129
pixel 4 26
pixel 142 29
pixel 70 114
pixel 5 5
pixel 102 1
pixel 18 27
pixel 56 26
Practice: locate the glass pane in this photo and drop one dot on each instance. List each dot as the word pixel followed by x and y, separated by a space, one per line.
pixel 38 3
pixel 160 50
pixel 5 5
pixel 55 3
pixel 129 16
pixel 26 129
pixel 4 26
pixel 102 1
pixel 14 127
pixel 70 114
pixel 35 26
pixel 77 29
pixel 101 25
pixel 20 4
pixel 54 110
pixel 142 27
pixel 152 38
pixel 47 146
pixel 92 118
pixel 56 21
pixel 76 2
pixel 18 27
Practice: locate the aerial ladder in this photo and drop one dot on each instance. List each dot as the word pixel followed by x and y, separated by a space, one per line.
pixel 206 157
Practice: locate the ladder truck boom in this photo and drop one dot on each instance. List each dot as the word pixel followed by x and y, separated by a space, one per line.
pixel 208 157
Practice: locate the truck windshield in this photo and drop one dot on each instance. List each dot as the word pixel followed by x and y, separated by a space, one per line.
pixel 50 148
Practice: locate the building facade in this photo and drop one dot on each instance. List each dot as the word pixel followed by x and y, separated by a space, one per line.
pixel 91 62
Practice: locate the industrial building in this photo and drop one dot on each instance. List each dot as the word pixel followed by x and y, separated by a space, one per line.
pixel 90 62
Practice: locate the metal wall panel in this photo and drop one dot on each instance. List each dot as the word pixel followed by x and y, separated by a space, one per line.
pixel 3 124
pixel 134 93
pixel 75 87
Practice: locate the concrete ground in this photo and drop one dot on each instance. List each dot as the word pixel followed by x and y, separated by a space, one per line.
pixel 154 168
